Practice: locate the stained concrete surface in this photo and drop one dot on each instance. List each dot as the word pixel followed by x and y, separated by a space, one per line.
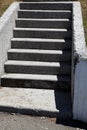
pixel 24 122
pixel 40 102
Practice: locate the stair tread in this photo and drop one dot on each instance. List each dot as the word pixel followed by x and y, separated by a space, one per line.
pixel 36 63
pixel 35 19
pixel 48 2
pixel 39 39
pixel 35 77
pixel 68 11
pixel 41 29
pixel 39 51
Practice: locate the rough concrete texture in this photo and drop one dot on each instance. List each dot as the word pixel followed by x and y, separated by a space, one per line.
pixel 23 122
pixel 78 31
pixel 44 14
pixel 47 5
pixel 36 102
pixel 7 23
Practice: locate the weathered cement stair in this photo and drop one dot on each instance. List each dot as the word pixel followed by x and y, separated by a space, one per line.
pixel 40 54
pixel 39 57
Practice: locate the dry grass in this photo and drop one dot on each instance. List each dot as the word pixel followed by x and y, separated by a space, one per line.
pixel 84 9
pixel 5 3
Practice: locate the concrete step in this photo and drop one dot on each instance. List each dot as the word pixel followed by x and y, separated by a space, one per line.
pixel 37 43
pixel 33 67
pixel 43 23
pixel 45 5
pixel 42 33
pixel 47 14
pixel 35 102
pixel 35 81
pixel 39 55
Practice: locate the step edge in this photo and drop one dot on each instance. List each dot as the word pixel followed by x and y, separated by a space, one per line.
pixel 41 29
pixel 35 19
pixel 35 63
pixel 33 77
pixel 39 39
pixel 38 51
pixel 43 11
pixel 59 2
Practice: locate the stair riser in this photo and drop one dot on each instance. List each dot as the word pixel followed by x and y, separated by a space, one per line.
pixel 42 24
pixel 63 70
pixel 27 14
pixel 45 6
pixel 33 84
pixel 41 45
pixel 42 34
pixel 39 57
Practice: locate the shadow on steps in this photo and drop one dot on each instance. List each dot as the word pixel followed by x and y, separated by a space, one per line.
pixel 63 104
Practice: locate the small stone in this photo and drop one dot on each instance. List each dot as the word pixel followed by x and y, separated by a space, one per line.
pixel 43 118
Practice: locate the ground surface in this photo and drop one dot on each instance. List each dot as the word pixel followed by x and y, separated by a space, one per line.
pixel 23 122
pixel 36 102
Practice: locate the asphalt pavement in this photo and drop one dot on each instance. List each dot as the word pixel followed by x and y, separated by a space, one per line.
pixel 13 121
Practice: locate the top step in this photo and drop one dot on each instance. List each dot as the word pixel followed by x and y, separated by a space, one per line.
pixel 44 0
pixel 45 5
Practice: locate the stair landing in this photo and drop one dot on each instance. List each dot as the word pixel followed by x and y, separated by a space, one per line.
pixel 48 103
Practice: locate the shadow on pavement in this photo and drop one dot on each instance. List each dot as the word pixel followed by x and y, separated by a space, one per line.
pixel 73 123
pixel 64 105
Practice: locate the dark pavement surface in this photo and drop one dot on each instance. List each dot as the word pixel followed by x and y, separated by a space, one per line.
pixel 26 122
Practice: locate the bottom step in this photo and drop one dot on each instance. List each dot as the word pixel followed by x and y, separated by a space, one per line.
pixel 35 81
pixel 36 102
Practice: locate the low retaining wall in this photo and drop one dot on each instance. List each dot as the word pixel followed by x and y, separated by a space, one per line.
pixel 80 77
pixel 7 23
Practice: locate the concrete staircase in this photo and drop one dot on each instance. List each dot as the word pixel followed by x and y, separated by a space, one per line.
pixel 40 54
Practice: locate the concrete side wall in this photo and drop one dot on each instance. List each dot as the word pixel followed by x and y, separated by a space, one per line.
pixel 80 77
pixel 80 92
pixel 78 32
pixel 7 23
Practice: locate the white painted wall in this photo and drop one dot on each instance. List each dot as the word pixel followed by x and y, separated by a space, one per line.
pixel 80 91
pixel 7 23
pixel 80 77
